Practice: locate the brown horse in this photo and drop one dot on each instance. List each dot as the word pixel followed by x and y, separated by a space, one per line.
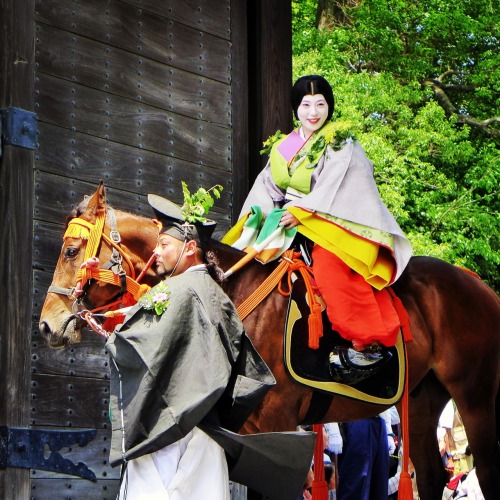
pixel 455 352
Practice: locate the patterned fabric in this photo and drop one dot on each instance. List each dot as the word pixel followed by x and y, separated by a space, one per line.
pixel 263 236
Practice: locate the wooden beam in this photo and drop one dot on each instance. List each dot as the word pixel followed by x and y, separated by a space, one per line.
pixel 240 105
pixel 270 74
pixel 16 212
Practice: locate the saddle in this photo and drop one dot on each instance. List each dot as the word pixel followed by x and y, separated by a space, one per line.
pixel 310 367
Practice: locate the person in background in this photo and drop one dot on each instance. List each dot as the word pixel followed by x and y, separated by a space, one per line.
pixel 364 462
pixel 395 458
pixel 453 443
pixel 331 437
pixel 333 443
pixel 330 480
pixel 333 448
pixel 307 489
pixel 464 485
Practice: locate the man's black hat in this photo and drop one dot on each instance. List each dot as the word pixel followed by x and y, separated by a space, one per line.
pixel 173 223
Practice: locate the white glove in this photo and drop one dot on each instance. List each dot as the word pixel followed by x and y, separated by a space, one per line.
pixel 391 444
pixel 335 442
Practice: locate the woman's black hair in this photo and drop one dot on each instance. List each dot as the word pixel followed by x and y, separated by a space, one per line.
pixel 311 85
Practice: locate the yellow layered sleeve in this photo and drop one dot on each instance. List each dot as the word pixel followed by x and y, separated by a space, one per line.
pixel 368 258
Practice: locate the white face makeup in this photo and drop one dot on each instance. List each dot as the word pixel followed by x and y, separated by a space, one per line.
pixel 312 113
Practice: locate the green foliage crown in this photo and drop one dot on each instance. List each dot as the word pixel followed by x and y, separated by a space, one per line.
pixel 197 205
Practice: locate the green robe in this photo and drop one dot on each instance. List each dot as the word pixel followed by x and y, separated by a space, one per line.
pixel 194 366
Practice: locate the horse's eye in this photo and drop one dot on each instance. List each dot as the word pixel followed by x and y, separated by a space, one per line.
pixel 71 252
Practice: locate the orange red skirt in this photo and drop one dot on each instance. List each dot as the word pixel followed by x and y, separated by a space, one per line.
pixel 355 309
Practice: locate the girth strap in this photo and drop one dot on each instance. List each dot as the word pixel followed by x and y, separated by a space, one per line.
pixel 318 406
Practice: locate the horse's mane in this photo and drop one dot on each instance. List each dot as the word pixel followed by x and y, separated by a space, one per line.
pixel 217 246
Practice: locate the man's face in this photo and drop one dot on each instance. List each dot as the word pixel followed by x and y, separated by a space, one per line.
pixel 167 251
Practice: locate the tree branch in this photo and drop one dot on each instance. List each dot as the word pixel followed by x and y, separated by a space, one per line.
pixel 441 97
pixel 489 121
pixel 446 73
pixel 474 122
pixel 452 87
pixel 331 13
pixel 444 101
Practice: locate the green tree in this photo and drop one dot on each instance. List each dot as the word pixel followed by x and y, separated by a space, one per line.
pixel 419 82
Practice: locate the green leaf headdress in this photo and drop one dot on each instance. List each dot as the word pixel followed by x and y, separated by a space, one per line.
pixel 188 222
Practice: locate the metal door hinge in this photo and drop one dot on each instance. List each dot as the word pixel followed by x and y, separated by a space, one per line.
pixel 28 448
pixel 19 127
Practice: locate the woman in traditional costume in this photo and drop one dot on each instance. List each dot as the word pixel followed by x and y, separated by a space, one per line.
pixel 320 183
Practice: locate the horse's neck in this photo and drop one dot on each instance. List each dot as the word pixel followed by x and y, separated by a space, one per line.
pixel 245 280
pixel 139 236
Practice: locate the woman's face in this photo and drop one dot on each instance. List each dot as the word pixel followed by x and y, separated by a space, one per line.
pixel 312 113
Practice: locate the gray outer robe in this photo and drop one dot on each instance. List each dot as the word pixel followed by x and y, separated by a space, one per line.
pixel 342 185
pixel 194 366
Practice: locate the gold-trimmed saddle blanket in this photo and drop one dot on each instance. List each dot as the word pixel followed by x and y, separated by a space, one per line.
pixel 310 367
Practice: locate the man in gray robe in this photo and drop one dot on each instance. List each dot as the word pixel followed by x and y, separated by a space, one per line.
pixel 184 379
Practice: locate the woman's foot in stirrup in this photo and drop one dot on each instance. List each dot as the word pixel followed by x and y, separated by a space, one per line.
pixel 348 365
pixel 367 355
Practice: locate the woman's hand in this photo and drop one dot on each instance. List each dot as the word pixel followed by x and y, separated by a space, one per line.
pixel 288 220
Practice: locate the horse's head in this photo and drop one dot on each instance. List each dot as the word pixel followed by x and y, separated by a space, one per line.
pixel 123 244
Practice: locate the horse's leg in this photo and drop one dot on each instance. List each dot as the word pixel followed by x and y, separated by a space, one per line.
pixel 480 420
pixel 474 386
pixel 427 401
pixel 428 397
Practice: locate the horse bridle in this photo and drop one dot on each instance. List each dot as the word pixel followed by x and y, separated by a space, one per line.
pixel 112 272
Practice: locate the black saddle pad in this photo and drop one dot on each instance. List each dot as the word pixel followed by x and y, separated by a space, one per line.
pixel 310 367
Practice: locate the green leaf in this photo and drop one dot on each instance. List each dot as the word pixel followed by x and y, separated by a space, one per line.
pixel 197 206
pixel 269 143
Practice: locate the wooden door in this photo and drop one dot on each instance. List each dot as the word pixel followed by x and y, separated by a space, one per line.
pixel 16 236
pixel 139 93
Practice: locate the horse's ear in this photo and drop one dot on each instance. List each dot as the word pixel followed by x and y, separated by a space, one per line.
pixel 96 204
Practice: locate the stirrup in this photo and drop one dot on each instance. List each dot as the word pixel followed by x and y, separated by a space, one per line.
pixel 348 366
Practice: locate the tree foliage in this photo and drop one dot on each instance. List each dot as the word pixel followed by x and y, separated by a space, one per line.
pixel 420 83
